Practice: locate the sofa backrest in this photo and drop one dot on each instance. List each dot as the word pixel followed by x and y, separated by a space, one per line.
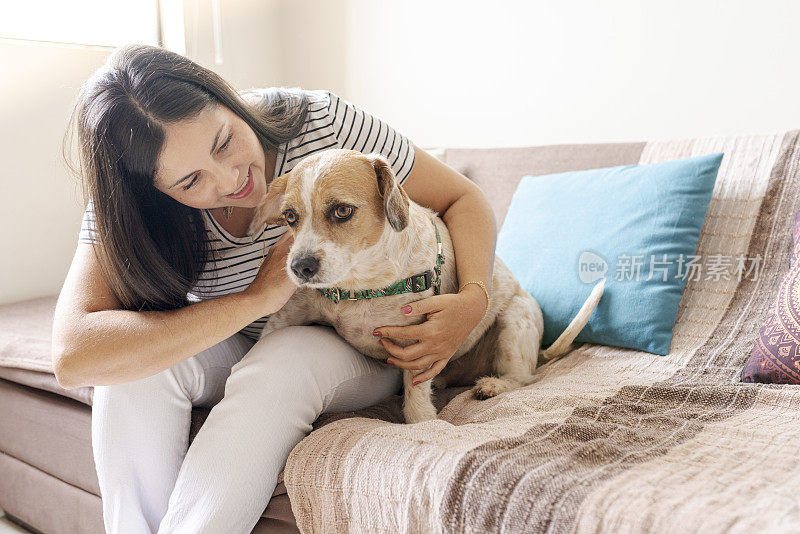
pixel 498 170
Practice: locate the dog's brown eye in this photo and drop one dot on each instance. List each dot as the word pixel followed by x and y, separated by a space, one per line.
pixel 290 217
pixel 343 211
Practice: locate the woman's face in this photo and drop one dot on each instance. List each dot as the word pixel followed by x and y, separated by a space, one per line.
pixel 205 160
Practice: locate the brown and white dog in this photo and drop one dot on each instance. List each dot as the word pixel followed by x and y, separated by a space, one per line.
pixel 355 229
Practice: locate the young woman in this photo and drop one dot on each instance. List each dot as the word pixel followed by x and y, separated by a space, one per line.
pixel 166 296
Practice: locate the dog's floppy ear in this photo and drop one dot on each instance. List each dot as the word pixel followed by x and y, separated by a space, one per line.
pixel 268 211
pixel 395 200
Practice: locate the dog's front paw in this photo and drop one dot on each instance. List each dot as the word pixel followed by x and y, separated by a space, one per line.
pixel 418 414
pixel 417 403
pixel 490 386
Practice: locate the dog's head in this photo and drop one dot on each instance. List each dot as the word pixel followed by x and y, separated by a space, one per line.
pixel 337 203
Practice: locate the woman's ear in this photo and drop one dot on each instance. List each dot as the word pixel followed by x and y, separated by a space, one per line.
pixel 395 200
pixel 269 210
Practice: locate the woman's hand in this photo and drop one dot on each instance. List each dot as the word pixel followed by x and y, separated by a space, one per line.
pixel 450 319
pixel 272 287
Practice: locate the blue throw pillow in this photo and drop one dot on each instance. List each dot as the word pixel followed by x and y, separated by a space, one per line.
pixel 635 225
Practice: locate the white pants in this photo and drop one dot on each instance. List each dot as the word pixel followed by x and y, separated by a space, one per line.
pixel 265 396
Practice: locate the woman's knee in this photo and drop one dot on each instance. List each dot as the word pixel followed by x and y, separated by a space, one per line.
pixel 180 380
pixel 185 379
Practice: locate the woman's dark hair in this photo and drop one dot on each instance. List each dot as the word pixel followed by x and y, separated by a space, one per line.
pixel 152 248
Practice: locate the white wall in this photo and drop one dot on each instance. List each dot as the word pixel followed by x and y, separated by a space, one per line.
pixel 445 73
pixel 314 39
pixel 252 51
pixel 515 73
pixel 40 216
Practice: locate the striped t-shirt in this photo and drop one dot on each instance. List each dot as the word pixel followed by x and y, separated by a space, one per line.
pixel 332 122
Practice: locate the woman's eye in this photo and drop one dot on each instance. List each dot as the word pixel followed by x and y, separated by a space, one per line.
pixel 225 144
pixel 342 212
pixel 191 183
pixel 221 148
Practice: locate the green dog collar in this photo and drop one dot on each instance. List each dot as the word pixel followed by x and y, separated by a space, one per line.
pixel 413 284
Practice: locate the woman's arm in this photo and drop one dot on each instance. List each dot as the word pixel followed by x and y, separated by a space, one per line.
pixel 117 346
pixel 95 342
pixel 469 219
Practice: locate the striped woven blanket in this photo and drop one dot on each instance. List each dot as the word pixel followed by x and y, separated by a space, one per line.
pixel 606 439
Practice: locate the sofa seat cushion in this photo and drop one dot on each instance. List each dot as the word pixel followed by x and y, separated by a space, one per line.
pixel 49 432
pixel 26 347
pixel 46 382
pixel 41 502
pixel 27 328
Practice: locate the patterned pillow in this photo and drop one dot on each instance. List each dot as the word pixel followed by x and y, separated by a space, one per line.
pixel 775 357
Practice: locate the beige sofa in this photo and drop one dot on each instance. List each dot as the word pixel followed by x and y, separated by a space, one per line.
pixel 607 439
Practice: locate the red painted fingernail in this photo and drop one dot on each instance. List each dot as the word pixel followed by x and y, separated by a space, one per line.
pixel 406 309
pixel 390 363
pixel 415 383
pixel 377 333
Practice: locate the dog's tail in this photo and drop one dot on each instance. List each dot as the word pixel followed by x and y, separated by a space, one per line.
pixel 566 338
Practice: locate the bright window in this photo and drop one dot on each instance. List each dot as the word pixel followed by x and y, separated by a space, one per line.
pixel 89 22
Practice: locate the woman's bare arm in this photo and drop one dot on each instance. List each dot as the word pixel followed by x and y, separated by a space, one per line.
pixel 95 342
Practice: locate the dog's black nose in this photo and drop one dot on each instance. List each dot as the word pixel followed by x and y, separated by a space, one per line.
pixel 305 266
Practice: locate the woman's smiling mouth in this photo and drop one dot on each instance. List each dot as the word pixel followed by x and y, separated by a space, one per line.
pixel 246 188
